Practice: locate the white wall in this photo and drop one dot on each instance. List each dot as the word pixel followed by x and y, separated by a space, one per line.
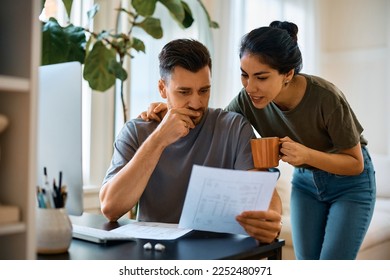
pixel 355 55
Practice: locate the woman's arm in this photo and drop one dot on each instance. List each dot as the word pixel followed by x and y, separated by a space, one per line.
pixel 156 112
pixel 346 162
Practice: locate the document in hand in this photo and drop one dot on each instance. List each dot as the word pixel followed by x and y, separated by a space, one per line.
pixel 216 196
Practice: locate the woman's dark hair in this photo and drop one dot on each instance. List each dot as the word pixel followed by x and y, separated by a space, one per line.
pixel 187 53
pixel 275 45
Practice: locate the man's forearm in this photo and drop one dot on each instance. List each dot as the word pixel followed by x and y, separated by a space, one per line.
pixel 123 191
pixel 276 202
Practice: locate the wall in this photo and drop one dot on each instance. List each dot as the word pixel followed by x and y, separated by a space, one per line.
pixel 355 55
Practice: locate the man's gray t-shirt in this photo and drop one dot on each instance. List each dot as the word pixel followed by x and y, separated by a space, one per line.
pixel 221 139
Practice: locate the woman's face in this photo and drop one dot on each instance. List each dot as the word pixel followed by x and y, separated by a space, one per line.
pixel 262 83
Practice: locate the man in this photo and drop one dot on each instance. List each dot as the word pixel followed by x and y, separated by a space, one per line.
pixel 152 161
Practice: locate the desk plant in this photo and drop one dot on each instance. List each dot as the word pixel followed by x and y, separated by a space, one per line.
pixel 103 52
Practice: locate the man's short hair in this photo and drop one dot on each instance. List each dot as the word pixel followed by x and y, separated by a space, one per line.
pixel 187 53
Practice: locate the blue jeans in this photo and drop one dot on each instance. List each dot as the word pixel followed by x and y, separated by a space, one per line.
pixel 330 214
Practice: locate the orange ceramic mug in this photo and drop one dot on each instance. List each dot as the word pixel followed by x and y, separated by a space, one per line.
pixel 265 152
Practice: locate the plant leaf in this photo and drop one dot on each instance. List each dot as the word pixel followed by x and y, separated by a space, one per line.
pixel 212 24
pixel 62 44
pixel 88 45
pixel 176 9
pixel 93 11
pixel 188 19
pixel 116 68
pixel 138 45
pixel 121 43
pixel 97 67
pixel 152 26
pixel 144 8
pixel 68 6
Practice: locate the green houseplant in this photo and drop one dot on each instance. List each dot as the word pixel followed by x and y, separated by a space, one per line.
pixel 103 52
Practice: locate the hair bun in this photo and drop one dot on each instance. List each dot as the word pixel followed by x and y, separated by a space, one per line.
pixel 290 27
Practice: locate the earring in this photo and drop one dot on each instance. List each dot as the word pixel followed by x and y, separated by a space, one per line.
pixel 286 82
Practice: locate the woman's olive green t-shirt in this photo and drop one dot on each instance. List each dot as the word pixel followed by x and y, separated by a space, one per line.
pixel 323 120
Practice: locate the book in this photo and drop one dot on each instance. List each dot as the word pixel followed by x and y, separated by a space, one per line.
pixel 9 214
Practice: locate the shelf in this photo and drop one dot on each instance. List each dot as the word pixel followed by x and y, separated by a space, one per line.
pixel 12 228
pixel 20 34
pixel 9 83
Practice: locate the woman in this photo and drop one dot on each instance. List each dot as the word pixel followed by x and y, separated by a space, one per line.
pixel 333 184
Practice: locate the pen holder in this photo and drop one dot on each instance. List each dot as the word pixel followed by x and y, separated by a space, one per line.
pixel 54 231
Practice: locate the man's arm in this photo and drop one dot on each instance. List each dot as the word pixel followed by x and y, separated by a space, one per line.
pixel 264 226
pixel 276 203
pixel 122 192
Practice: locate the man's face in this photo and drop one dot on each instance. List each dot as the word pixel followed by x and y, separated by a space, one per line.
pixel 185 89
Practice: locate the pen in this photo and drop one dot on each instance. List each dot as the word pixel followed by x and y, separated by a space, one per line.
pixel 48 193
pixel 45 199
pixel 45 176
pixel 61 192
pixel 60 181
pixel 60 199
pixel 55 195
pixel 64 195
pixel 41 200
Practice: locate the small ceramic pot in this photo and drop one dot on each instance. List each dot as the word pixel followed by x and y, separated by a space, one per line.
pixel 54 231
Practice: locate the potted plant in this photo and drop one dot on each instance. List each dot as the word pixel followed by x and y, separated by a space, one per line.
pixel 103 52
